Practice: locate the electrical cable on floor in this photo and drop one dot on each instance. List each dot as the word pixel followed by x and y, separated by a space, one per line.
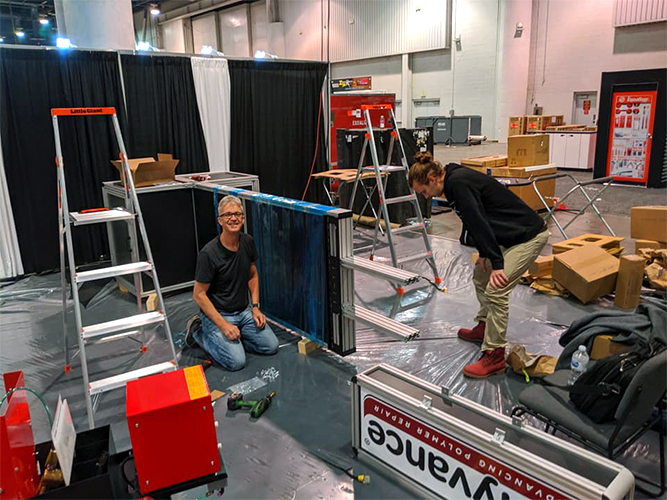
pixel 435 285
pixel 361 478
pixel 39 396
pixel 317 143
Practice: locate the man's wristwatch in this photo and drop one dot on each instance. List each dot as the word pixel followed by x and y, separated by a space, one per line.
pixel 256 304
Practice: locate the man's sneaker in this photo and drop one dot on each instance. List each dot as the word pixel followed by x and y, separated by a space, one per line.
pixel 193 324
pixel 475 334
pixel 492 362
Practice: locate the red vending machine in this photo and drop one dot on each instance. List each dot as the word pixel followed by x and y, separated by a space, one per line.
pixel 343 102
pixel 631 135
pixel 632 127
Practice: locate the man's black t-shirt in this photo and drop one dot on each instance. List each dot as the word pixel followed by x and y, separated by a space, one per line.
pixel 227 273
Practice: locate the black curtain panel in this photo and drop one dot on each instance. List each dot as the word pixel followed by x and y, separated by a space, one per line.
pixel 31 83
pixel 162 110
pixel 274 116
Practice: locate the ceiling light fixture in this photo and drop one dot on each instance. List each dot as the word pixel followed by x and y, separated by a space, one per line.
pixel 19 33
pixel 155 10
pixel 43 21
pixel 63 43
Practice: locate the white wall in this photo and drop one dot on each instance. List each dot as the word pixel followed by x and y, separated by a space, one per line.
pixel 580 44
pixel 303 23
pixel 172 36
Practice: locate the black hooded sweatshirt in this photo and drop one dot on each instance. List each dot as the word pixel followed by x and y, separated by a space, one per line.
pixel 493 214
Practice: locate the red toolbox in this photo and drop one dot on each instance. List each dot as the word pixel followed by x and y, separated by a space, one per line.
pixel 172 428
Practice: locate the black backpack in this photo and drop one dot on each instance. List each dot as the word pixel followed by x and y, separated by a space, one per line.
pixel 599 390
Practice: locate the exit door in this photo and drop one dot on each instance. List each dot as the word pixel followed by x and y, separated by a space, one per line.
pixel 585 108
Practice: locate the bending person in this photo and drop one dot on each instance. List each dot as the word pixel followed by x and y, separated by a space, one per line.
pixel 509 236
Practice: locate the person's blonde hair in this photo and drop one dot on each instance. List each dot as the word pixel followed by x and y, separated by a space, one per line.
pixel 229 200
pixel 424 166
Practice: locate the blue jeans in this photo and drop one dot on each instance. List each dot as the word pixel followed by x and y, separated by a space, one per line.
pixel 230 354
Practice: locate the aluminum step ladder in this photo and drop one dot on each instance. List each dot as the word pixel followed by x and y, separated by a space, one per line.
pixel 411 197
pixel 132 326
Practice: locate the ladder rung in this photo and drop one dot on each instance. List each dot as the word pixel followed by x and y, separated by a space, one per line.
pixel 409 227
pixel 111 272
pixel 120 325
pixel 79 219
pixel 392 274
pixel 112 338
pixel 401 199
pixel 110 383
pixel 379 322
pixel 384 168
pixel 410 258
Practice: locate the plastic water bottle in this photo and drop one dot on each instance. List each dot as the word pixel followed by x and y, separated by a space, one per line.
pixel 578 364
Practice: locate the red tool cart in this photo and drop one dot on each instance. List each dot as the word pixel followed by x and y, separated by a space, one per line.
pixel 341 103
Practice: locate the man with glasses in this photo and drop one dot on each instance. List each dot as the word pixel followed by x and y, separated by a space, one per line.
pixel 228 325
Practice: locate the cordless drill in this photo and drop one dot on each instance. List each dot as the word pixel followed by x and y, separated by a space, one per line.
pixel 235 401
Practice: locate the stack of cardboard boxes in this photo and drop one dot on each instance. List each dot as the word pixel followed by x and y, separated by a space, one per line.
pixel 527 158
pixel 591 265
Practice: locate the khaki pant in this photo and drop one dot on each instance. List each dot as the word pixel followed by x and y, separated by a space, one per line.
pixel 494 303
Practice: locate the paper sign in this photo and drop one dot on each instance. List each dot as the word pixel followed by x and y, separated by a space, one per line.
pixel 64 438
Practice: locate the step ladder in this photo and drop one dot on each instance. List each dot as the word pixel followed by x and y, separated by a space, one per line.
pixel 132 326
pixel 379 170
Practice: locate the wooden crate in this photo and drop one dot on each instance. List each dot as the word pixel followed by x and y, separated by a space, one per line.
pixel 517 126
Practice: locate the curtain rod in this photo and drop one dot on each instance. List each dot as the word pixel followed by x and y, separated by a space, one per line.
pixel 160 53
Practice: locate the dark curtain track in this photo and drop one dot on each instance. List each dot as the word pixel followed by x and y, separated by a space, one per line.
pixel 31 83
pixel 162 110
pixel 274 110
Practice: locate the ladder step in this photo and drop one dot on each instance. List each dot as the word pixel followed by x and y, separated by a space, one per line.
pixel 379 322
pixel 120 325
pixel 410 258
pixel 401 199
pixel 409 227
pixel 385 168
pixel 392 274
pixel 110 383
pixel 80 219
pixel 111 272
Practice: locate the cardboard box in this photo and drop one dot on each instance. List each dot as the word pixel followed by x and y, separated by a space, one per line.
pixel 529 196
pixel 554 120
pixel 603 346
pixel 600 240
pixel 587 272
pixel 148 171
pixel 648 244
pixel 527 150
pixel 629 281
pixel 542 266
pixel 485 162
pixel 517 172
pixel 536 122
pixel 649 223
pixel 517 126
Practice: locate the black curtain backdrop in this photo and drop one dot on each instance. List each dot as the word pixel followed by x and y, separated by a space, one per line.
pixel 274 110
pixel 162 110
pixel 31 83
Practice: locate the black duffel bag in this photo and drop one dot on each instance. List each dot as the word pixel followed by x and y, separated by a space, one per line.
pixel 599 390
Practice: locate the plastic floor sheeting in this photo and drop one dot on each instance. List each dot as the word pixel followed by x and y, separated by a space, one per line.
pixel 296 448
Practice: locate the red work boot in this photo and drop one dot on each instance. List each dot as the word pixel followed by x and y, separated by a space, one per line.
pixel 473 335
pixel 492 362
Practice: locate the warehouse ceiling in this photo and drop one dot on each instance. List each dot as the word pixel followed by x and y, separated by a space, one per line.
pixel 36 19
